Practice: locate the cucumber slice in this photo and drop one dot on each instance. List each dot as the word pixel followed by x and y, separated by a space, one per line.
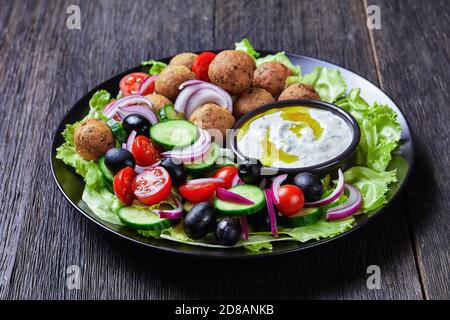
pixel 251 192
pixel 174 133
pixel 207 162
pixel 168 113
pixel 142 218
pixel 117 130
pixel 304 217
pixel 107 174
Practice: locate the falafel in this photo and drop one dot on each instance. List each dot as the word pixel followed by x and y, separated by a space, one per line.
pixel 232 70
pixel 212 116
pixel 158 101
pixel 271 76
pixel 299 91
pixel 170 79
pixel 183 59
pixel 251 99
pixel 93 138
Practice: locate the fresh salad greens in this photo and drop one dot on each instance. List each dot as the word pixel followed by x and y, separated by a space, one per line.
pixel 380 136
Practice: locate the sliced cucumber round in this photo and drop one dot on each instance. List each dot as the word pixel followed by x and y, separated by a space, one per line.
pixel 107 174
pixel 251 192
pixel 207 162
pixel 117 130
pixel 142 218
pixel 304 217
pixel 174 133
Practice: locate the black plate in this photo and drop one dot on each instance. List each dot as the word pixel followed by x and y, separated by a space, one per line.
pixel 72 184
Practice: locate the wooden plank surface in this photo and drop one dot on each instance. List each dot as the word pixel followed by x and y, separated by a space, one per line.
pixel 46 67
pixel 413 46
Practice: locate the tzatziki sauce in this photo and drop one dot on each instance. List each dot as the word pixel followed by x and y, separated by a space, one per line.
pixel 294 137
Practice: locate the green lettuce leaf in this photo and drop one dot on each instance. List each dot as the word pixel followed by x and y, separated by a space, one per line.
pixel 97 103
pixel 380 130
pixel 156 66
pixel 373 185
pixel 247 47
pixel 318 230
pixel 280 57
pixel 328 82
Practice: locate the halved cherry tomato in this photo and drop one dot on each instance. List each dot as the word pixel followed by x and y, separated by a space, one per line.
pixel 201 63
pixel 144 151
pixel 152 186
pixel 198 192
pixel 131 82
pixel 122 185
pixel 291 200
pixel 227 174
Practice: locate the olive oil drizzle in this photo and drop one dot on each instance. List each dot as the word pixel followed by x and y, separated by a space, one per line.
pixel 302 119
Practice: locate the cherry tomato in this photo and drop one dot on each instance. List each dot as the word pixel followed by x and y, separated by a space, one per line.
pixel 291 200
pixel 131 82
pixel 144 151
pixel 227 174
pixel 198 192
pixel 201 63
pixel 122 185
pixel 152 186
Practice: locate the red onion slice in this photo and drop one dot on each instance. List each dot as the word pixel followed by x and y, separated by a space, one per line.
pixel 183 98
pixel 192 152
pixel 244 225
pixel 271 211
pixel 130 140
pixel 276 183
pixel 333 196
pixel 141 110
pixel 203 180
pixel 146 83
pixel 236 181
pixel 201 97
pixel 230 196
pixel 140 169
pixel 349 207
pixel 176 213
pixel 126 101
pixel 225 94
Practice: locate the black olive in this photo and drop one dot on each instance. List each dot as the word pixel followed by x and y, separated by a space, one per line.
pixel 137 123
pixel 310 184
pixel 228 231
pixel 119 158
pixel 250 171
pixel 260 221
pixel 177 171
pixel 200 220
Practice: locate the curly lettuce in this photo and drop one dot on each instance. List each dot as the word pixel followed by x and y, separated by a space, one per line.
pixel 156 66
pixel 282 58
pixel 246 47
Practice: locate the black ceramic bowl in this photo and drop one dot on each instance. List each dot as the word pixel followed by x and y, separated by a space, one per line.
pixel 342 161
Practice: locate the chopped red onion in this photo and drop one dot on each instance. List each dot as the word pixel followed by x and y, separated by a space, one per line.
pixel 147 83
pixel 134 99
pixel 141 110
pixel 349 207
pixel 333 196
pixel 276 183
pixel 236 181
pixel 271 211
pixel 130 140
pixel 244 225
pixel 230 196
pixel 204 180
pixel 176 213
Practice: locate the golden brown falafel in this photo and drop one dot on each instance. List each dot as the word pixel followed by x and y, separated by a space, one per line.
pixel 232 70
pixel 299 91
pixel 158 101
pixel 212 116
pixel 93 138
pixel 271 76
pixel 183 59
pixel 170 80
pixel 251 99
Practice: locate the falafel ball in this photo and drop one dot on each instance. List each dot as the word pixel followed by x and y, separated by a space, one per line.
pixel 170 79
pixel 232 70
pixel 212 116
pixel 271 76
pixel 93 138
pixel 299 91
pixel 183 59
pixel 251 99
pixel 158 101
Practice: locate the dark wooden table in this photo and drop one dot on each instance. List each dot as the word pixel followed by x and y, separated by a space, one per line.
pixel 45 67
